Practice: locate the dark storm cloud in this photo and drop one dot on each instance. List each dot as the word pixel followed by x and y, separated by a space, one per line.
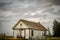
pixel 3 6
pixel 56 2
pixel 21 5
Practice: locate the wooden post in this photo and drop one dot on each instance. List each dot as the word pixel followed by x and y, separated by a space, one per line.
pixel 45 35
pixel 24 33
pixel 20 33
pixel 29 33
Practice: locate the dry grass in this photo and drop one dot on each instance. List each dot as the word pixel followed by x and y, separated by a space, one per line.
pixel 53 38
pixel 11 38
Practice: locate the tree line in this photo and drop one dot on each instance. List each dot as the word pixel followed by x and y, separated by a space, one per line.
pixel 56 28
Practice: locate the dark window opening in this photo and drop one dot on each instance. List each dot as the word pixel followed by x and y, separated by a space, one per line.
pixel 32 33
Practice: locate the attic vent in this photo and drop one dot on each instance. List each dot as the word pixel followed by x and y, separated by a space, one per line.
pixel 20 24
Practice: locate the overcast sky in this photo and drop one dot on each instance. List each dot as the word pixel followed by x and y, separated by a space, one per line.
pixel 44 11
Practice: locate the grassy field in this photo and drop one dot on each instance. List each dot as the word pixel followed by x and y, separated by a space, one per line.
pixel 12 38
pixel 53 38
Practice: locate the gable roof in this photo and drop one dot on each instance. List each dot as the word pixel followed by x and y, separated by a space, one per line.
pixel 31 24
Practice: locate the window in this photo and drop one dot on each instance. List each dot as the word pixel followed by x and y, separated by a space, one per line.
pixel 32 33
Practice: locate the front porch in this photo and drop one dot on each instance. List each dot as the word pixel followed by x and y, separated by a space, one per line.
pixel 30 33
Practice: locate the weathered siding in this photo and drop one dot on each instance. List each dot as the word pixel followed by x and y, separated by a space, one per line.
pixel 37 33
pixel 23 25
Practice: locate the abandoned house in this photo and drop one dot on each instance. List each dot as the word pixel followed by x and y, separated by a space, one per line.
pixel 28 29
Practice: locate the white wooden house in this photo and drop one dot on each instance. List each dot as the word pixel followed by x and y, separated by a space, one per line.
pixel 29 29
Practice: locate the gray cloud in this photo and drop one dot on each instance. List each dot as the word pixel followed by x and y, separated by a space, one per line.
pixel 21 5
pixel 2 4
pixel 55 2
